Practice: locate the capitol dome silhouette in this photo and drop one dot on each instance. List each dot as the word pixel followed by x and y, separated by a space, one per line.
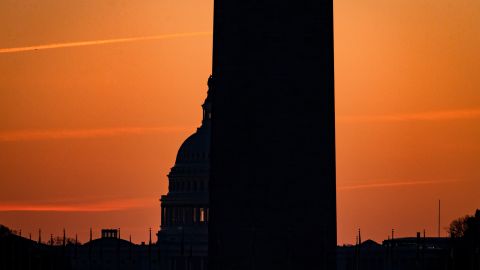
pixel 196 148
pixel 184 214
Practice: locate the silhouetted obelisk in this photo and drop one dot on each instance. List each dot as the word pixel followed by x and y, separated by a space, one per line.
pixel 272 191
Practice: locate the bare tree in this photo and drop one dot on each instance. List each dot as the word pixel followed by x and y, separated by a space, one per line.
pixel 58 241
pixel 459 226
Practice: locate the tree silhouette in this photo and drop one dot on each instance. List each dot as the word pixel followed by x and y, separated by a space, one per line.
pixel 4 231
pixel 459 226
pixel 58 241
pixel 465 233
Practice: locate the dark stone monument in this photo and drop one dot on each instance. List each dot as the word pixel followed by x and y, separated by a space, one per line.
pixel 272 187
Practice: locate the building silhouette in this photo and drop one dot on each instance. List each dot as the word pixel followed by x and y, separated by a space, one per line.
pixel 109 252
pixel 272 186
pixel 183 237
pixel 422 253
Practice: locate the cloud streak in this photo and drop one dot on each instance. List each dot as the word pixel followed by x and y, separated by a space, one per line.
pixel 422 116
pixel 101 42
pixel 36 135
pixel 103 206
pixel 393 184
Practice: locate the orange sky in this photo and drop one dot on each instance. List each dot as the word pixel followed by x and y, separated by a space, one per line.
pixel 90 122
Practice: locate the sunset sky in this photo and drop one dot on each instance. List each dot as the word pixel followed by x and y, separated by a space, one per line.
pixel 96 97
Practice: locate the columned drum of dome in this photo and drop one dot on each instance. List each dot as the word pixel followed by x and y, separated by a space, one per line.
pixel 272 186
pixel 183 236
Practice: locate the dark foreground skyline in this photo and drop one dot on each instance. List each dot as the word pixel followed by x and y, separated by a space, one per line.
pixel 459 252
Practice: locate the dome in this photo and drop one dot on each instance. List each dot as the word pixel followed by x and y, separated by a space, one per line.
pixel 196 148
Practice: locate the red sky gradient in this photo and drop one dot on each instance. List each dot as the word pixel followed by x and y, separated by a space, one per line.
pixel 96 97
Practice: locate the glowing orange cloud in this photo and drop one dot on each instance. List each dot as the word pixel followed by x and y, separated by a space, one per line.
pixel 104 206
pixel 423 116
pixel 32 135
pixel 394 184
pixel 100 42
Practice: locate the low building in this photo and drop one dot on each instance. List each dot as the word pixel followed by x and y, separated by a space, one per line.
pixel 110 252
pixel 410 253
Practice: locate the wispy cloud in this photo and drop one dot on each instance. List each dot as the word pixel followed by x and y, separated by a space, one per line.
pixel 102 206
pixel 100 42
pixel 394 184
pixel 421 116
pixel 55 134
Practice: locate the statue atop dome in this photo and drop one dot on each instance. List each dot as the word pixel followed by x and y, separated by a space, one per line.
pixel 207 105
pixel 210 82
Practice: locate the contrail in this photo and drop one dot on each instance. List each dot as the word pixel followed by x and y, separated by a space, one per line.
pixel 394 184
pixel 102 206
pixel 421 116
pixel 100 42
pixel 35 135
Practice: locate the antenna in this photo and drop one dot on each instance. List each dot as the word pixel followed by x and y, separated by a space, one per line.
pixel 359 237
pixel 439 212
pixel 150 236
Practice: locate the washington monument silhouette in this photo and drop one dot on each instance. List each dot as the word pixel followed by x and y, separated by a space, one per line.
pixel 272 186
